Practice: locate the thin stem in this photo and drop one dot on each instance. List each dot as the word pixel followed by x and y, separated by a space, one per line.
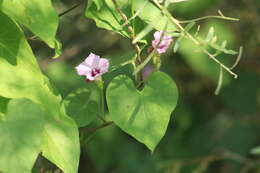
pixel 177 23
pixel 130 29
pixel 93 130
pixel 238 58
pixel 101 118
pixel 121 65
pixel 142 65
pixel 102 102
pixel 68 10
pixel 209 17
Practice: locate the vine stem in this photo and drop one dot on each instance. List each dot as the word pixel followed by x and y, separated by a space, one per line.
pixel 130 29
pixel 209 17
pixel 93 130
pixel 176 22
pixel 70 9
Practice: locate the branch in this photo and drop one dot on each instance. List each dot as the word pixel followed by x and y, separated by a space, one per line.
pixel 130 29
pixel 221 16
pixel 177 23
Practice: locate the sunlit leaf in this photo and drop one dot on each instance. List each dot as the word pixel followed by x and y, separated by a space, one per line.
pixel 22 78
pixel 20 143
pixel 143 114
pixel 150 14
pixel 38 16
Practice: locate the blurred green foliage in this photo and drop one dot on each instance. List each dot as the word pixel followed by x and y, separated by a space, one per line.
pixel 207 133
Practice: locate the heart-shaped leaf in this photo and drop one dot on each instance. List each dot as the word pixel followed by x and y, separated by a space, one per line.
pixel 143 114
pixel 83 104
pixel 20 141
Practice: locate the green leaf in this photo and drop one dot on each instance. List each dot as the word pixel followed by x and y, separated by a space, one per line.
pixel 150 14
pixel 20 132
pixel 83 104
pixel 99 3
pixel 256 150
pixel 106 15
pixel 21 77
pixel 143 114
pixel 3 104
pixel 37 15
pixel 210 35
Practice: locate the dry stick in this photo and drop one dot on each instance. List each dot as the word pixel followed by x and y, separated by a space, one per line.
pixel 130 29
pixel 176 22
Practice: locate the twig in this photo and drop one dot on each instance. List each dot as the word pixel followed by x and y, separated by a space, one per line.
pixel 135 15
pixel 177 23
pixel 70 9
pixel 143 64
pixel 209 17
pixel 130 29
pixel 93 130
pixel 238 58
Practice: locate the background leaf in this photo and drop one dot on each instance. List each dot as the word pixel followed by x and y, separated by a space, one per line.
pixel 37 15
pixel 83 104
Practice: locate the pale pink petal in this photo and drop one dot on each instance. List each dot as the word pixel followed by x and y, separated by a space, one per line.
pixel 157 35
pixel 93 67
pixel 90 77
pixel 83 69
pixel 92 60
pixel 155 43
pixel 103 65
pixel 161 44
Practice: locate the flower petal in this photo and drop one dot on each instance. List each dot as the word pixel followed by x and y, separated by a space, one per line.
pixel 161 44
pixel 83 69
pixel 103 65
pixel 92 60
pixel 90 77
pixel 157 35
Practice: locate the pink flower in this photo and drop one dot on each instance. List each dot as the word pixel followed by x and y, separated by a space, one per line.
pixel 161 42
pixel 148 69
pixel 93 67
